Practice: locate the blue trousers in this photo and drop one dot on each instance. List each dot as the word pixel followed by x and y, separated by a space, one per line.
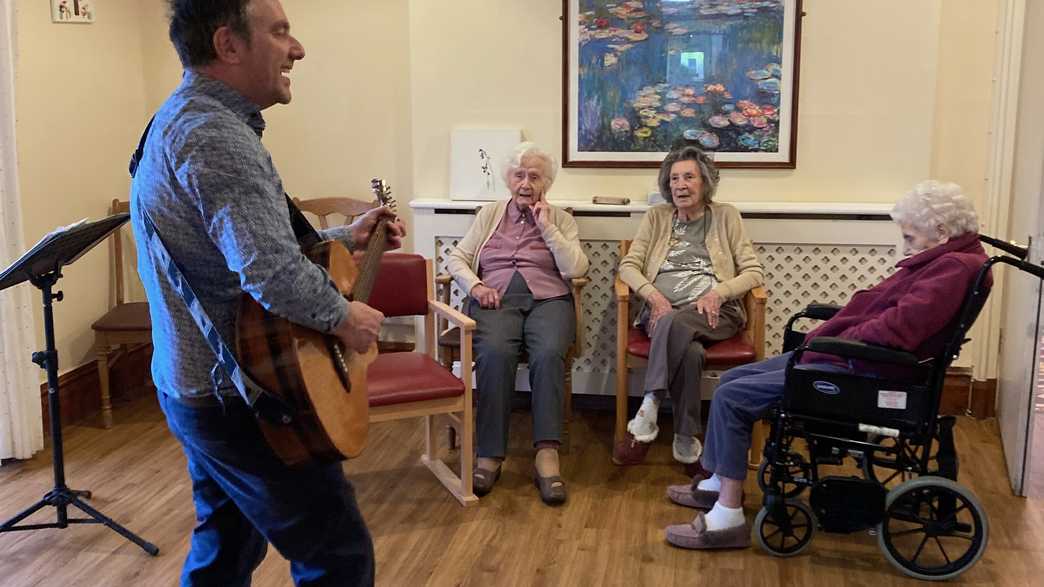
pixel 245 498
pixel 745 394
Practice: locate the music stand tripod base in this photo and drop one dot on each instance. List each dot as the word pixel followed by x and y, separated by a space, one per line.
pixel 41 266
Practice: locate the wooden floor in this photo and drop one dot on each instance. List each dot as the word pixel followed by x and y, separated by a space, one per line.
pixel 610 532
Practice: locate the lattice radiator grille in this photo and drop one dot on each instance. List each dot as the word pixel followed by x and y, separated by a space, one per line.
pixel 796 275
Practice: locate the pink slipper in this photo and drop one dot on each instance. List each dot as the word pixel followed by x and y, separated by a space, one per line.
pixel 696 536
pixel 690 497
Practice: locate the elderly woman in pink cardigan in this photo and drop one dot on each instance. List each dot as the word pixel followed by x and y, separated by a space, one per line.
pixel 514 262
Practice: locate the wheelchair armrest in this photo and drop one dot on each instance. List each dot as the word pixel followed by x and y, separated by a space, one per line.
pixel 821 311
pixel 853 349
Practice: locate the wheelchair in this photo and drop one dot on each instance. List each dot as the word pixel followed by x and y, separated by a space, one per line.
pixel 927 525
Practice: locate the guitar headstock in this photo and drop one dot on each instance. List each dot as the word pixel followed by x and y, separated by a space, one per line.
pixel 382 191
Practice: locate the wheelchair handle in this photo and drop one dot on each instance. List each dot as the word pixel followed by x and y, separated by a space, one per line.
pixel 1008 247
pixel 1016 250
pixel 1035 270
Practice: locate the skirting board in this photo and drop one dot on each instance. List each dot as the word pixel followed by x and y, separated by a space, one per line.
pixel 80 396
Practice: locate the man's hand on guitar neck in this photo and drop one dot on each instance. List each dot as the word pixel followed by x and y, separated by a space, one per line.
pixel 360 329
pixel 363 227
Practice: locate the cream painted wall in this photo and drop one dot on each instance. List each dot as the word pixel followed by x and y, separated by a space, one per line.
pixel 967 34
pixel 161 68
pixel 350 116
pixel 867 97
pixel 964 90
pixel 80 99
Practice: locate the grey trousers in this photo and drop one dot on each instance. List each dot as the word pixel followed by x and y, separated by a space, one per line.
pixel 676 359
pixel 546 329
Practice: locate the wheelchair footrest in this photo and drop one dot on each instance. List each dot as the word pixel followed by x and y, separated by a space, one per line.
pixel 848 504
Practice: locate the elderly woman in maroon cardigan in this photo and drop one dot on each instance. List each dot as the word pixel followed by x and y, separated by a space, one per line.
pixel 909 311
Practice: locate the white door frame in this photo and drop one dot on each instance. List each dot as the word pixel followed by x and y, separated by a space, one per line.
pixel 1012 207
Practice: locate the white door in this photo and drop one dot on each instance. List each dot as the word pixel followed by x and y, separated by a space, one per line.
pixel 1018 364
pixel 1018 368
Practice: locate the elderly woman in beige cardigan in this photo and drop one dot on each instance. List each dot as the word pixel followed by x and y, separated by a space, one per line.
pixel 692 263
pixel 513 262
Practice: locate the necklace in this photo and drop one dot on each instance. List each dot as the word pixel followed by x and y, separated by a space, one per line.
pixel 678 227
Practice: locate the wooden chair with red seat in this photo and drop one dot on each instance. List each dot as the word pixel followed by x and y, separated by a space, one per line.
pixel 632 350
pixel 126 323
pixel 323 208
pixel 412 384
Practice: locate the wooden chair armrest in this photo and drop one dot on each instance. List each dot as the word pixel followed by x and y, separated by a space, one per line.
pixel 455 317
pixel 755 305
pixel 621 290
pixel 577 285
pixel 442 285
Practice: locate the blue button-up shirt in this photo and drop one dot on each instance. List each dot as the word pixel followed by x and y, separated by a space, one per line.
pixel 218 204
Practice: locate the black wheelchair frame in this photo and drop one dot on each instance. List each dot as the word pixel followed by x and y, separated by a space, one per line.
pixel 908 492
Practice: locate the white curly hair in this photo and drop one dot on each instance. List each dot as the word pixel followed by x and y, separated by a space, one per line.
pixel 530 149
pixel 934 203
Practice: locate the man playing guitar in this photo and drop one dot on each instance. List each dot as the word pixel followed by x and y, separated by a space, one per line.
pixel 212 192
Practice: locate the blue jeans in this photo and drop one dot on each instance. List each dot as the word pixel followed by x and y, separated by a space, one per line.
pixel 246 497
pixel 744 395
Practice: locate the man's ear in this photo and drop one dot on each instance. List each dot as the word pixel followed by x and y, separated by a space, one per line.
pixel 228 45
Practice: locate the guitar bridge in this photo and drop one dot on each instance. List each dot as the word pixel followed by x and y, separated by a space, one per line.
pixel 340 364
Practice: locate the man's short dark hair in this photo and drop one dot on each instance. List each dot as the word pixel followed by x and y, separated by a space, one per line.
pixel 193 23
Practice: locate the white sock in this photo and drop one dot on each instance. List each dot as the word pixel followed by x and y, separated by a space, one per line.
pixel 687 449
pixel 643 425
pixel 722 518
pixel 712 483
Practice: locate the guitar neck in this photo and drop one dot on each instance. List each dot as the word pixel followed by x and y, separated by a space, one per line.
pixel 371 263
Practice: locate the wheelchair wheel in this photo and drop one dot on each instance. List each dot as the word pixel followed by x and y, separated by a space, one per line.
pixel 883 468
pixel 942 460
pixel 796 467
pixel 933 529
pixel 788 537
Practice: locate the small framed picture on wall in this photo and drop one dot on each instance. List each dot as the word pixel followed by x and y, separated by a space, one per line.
pixel 72 11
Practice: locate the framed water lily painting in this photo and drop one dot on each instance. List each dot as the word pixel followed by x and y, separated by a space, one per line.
pixel 642 76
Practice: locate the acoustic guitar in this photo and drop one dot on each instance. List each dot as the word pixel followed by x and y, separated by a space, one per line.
pixel 324 382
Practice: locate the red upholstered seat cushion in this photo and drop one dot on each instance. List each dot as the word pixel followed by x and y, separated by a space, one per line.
pixel 396 378
pixel 728 353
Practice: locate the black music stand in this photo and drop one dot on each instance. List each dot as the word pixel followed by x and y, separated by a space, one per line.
pixel 42 266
